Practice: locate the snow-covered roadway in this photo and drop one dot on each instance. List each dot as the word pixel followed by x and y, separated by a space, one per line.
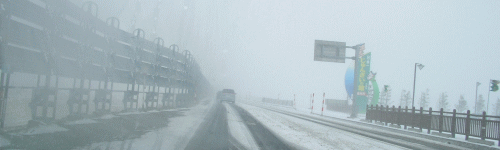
pixel 208 125
pixel 309 135
pixel 238 129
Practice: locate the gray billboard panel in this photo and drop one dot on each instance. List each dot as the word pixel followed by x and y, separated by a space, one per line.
pixel 329 51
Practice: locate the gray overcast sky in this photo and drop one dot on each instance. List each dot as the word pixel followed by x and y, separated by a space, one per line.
pixel 266 47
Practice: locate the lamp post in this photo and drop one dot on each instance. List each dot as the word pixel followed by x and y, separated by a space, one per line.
pixel 420 66
pixel 475 104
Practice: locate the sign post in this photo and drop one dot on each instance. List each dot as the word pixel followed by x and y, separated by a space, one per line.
pixel 354 112
pixel 331 51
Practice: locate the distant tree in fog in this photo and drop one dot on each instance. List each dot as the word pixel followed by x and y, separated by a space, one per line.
pixel 497 107
pixel 402 98
pixel 385 96
pixel 405 98
pixel 462 105
pixel 443 101
pixel 479 105
pixel 424 99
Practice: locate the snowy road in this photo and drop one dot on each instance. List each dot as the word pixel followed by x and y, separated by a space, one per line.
pixel 310 135
pixel 228 126
pixel 208 125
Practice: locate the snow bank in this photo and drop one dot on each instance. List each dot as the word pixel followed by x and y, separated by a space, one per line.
pixel 82 121
pixel 309 135
pixel 108 116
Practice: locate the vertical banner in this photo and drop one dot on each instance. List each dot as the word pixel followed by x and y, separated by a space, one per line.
pixel 376 92
pixel 364 71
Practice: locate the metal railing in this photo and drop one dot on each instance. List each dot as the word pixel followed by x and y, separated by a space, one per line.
pixel 482 126
pixel 55 43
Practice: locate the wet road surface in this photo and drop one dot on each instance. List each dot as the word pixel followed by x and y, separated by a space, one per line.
pixel 213 132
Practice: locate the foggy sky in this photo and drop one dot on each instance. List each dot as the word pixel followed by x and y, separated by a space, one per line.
pixel 265 48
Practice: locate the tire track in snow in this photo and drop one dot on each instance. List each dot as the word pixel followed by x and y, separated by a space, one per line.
pixel 264 137
pixel 238 129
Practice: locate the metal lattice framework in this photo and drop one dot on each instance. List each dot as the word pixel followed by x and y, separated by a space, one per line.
pixel 56 38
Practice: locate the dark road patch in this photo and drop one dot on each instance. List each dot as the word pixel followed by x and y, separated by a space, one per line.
pixel 265 139
pixel 213 133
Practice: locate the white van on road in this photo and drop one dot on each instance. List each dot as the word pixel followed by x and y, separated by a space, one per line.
pixel 227 95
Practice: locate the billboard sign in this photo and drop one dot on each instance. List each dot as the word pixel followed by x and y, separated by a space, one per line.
pixel 363 81
pixel 364 71
pixel 329 51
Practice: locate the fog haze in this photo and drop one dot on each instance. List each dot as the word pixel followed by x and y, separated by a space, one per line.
pixel 265 48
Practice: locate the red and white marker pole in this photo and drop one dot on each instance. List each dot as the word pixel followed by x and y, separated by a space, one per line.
pixel 312 104
pixel 322 105
pixel 310 99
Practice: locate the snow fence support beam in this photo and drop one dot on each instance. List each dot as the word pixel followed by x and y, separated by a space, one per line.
pixel 467 125
pixel 440 125
pixel 421 118
pixel 453 123
pixel 483 126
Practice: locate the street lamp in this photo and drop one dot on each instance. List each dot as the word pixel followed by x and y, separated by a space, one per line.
pixel 475 104
pixel 420 66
